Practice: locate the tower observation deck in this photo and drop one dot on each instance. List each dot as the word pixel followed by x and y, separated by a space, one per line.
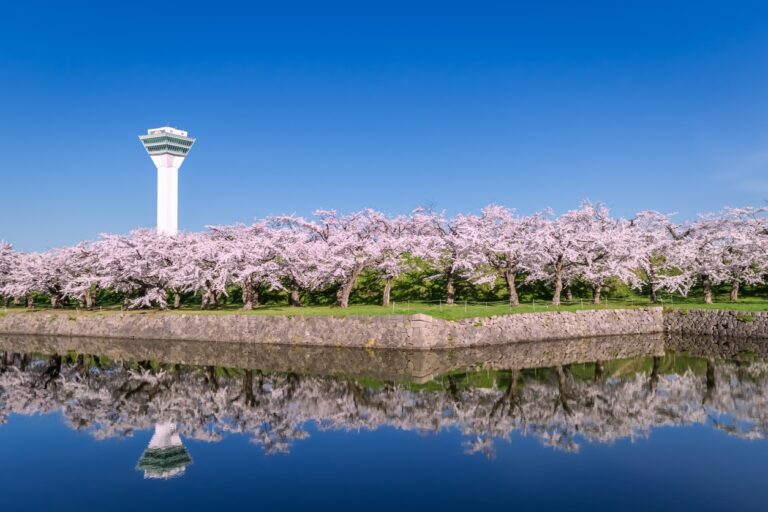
pixel 168 147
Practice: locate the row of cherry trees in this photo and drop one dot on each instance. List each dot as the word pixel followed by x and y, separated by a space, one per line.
pixel 296 255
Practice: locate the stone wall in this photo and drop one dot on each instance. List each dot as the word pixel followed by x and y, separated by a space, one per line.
pixel 411 332
pixel 546 326
pixel 716 323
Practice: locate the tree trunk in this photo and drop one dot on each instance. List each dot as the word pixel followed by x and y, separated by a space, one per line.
pixel 652 286
pixel 342 296
pixel 711 382
pixel 596 289
pixel 56 301
pixel 294 299
pixel 599 370
pixel 88 299
pixel 568 290
pixel 735 291
pixel 211 377
pixel 706 283
pixel 509 276
pixel 247 301
pixel 558 287
pixel 450 290
pixel 387 291
pixel 250 399
pixel 653 381
pixel 16 301
pixel 176 300
pixel 562 388
pixel 250 295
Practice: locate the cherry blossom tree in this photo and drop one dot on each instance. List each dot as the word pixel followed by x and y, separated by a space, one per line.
pixel 7 266
pixel 202 265
pixel 499 242
pixel 447 244
pixel 43 273
pixel 251 258
pixel 698 254
pixel 141 265
pixel 350 244
pixel 395 241
pixel 84 272
pixel 18 282
pixel 556 246
pixel 605 250
pixel 586 243
pixel 300 258
pixel 745 242
pixel 654 250
pixel 726 247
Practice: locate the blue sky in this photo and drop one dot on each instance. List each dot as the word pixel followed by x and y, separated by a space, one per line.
pixel 390 105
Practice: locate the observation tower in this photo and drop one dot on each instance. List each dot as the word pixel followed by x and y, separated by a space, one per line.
pixel 168 147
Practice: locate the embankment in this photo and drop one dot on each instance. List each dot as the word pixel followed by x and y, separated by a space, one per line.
pixel 406 332
pixel 410 332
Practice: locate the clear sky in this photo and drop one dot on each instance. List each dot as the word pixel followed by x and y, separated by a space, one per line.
pixel 390 105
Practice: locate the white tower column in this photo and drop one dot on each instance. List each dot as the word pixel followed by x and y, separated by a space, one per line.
pixel 168 147
pixel 167 200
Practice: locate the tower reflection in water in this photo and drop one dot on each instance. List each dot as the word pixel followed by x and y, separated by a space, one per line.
pixel 165 457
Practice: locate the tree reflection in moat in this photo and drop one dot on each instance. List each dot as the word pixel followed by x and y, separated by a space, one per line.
pixel 563 406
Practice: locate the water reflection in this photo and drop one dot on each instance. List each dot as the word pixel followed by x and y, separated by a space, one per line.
pixel 564 394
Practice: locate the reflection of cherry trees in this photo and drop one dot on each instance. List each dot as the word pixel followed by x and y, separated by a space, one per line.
pixel 559 406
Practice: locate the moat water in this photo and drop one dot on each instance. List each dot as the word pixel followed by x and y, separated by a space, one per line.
pixel 643 423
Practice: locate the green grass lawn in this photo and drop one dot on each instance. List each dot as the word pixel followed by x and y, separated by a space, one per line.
pixel 455 312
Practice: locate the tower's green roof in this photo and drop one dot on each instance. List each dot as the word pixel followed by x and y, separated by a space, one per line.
pixel 161 143
pixel 164 462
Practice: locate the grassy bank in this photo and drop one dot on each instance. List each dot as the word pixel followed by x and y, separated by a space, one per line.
pixel 439 310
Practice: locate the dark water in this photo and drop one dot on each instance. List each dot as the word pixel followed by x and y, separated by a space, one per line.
pixel 612 424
